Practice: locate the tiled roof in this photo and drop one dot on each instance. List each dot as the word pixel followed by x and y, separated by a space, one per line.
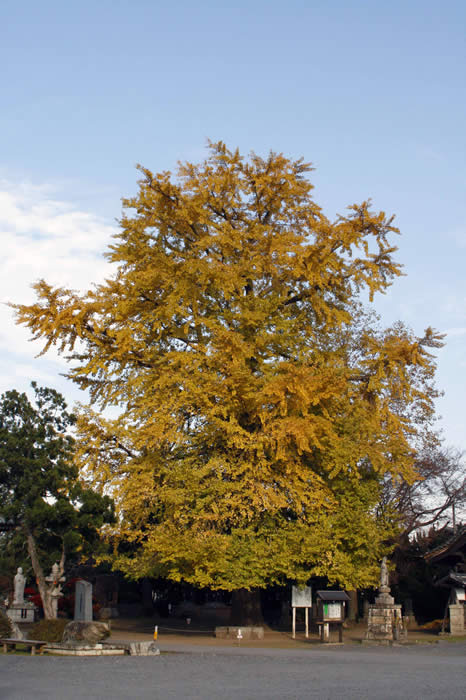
pixel 458 578
pixel 450 546
pixel 332 595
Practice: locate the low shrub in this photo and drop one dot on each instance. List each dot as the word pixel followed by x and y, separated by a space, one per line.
pixel 5 626
pixel 432 626
pixel 48 630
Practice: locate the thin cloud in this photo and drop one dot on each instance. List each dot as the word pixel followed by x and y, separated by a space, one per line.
pixel 42 237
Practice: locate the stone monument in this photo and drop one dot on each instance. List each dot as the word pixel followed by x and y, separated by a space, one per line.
pixel 20 610
pixel 83 602
pixel 83 629
pixel 384 621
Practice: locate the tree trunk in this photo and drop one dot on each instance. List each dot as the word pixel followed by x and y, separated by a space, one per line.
pixel 40 578
pixel 147 602
pixel 353 612
pixel 246 607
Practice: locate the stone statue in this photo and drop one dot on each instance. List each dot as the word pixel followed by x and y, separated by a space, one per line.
pixel 384 585
pixel 54 580
pixel 20 582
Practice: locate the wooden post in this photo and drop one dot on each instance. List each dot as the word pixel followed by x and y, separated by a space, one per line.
pixel 294 623
pixel 306 617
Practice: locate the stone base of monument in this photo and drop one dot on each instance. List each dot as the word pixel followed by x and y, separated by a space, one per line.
pixel 104 649
pixel 86 649
pixel 385 623
pixel 247 632
pixel 22 612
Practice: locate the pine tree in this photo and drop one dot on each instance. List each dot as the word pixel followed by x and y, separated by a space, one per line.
pixel 44 507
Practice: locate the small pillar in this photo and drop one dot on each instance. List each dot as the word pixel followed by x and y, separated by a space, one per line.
pixel 456 619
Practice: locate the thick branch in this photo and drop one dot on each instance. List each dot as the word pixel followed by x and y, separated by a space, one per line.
pixel 40 578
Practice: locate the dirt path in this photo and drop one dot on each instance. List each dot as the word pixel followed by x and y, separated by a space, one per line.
pixel 173 634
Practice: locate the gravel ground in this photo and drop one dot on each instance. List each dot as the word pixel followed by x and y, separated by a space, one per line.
pixel 376 673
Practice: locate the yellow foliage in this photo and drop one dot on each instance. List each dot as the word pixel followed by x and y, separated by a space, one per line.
pixel 258 401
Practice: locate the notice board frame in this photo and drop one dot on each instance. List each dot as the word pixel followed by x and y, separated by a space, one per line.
pixel 301 597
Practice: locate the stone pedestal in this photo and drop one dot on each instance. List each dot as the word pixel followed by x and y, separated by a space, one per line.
pixel 22 612
pixel 385 623
pixel 457 619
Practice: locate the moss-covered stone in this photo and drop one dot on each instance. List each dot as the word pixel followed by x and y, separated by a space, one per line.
pixel 89 632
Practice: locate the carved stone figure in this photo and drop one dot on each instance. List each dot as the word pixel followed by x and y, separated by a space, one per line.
pixel 384 598
pixel 20 582
pixel 384 580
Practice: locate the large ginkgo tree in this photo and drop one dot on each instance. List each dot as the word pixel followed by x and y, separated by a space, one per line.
pixel 260 406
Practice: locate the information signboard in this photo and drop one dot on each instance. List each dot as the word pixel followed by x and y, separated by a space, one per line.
pixel 332 610
pixel 301 597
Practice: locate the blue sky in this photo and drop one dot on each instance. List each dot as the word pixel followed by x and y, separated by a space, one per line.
pixel 372 93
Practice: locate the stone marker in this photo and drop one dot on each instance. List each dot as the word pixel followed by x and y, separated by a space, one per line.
pixel 83 602
pixel 385 622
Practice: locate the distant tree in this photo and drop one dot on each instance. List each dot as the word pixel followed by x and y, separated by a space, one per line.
pixel 418 580
pixel 437 497
pixel 260 407
pixel 43 504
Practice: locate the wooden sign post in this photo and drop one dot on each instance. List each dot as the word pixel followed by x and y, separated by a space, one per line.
pixel 301 598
